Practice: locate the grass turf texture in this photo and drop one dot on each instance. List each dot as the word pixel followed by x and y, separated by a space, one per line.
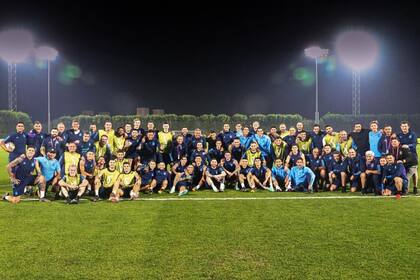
pixel 239 239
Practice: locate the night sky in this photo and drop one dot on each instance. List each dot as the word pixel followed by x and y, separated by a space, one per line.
pixel 211 59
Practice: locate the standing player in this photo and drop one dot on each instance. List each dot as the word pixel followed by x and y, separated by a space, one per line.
pixel 103 149
pixel 53 141
pixel 226 136
pixel 237 149
pixel 132 146
pixel 74 135
pixel 199 152
pixel 294 156
pixel 344 143
pixel 252 153
pixel 178 150
pixel 17 142
pixel 246 138
pixel 264 143
pixel 304 142
pixel 374 137
pixel 35 138
pixel 408 137
pixel 360 138
pixel 216 152
pixel 69 158
pixel 150 148
pixel 165 142
pixel 86 145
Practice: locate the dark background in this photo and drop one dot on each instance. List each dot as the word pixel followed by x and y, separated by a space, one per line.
pixel 211 59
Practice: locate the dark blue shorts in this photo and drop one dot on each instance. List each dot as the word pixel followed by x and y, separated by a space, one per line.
pixel 19 189
pixel 104 193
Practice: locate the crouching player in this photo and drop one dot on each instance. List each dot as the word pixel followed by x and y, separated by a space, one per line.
pixel 73 185
pixel 244 174
pixel 50 169
pixel 372 171
pixel 317 165
pixel 199 173
pixel 105 181
pixel 301 178
pixel 231 167
pixel 279 175
pixel 161 179
pixel 215 175
pixel 186 180
pixel 127 184
pixel 23 171
pixel 353 171
pixel 260 176
pixel 394 178
pixel 334 168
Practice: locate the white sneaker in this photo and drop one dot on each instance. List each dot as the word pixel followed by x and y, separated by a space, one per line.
pixel 172 189
pixel 222 187
pixel 214 188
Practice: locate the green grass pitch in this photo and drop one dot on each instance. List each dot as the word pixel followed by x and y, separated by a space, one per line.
pixel 358 238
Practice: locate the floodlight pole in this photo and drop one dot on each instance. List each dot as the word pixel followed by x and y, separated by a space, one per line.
pixel 49 96
pixel 356 93
pixel 316 92
pixel 12 86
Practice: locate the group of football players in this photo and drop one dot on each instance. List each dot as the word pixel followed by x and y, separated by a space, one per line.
pixel 109 164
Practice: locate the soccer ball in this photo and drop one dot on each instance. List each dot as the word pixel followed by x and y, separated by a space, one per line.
pixel 10 147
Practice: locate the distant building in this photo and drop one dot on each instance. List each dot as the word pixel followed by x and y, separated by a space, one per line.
pixel 142 111
pixel 158 112
pixel 88 113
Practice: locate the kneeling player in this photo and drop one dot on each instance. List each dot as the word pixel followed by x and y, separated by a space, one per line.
pixel 105 181
pixel 215 175
pixel 161 179
pixel 279 175
pixel 186 180
pixel 353 170
pixel 394 178
pixel 335 167
pixel 372 171
pixel 231 167
pixel 244 173
pixel 147 177
pixel 199 173
pixel 22 172
pixel 73 185
pixel 127 184
pixel 301 178
pixel 260 176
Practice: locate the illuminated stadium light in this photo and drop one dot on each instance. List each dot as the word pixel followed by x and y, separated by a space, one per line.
pixel 47 54
pixel 358 50
pixel 16 45
pixel 316 53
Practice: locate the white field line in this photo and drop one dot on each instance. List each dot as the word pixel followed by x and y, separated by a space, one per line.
pixel 253 198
